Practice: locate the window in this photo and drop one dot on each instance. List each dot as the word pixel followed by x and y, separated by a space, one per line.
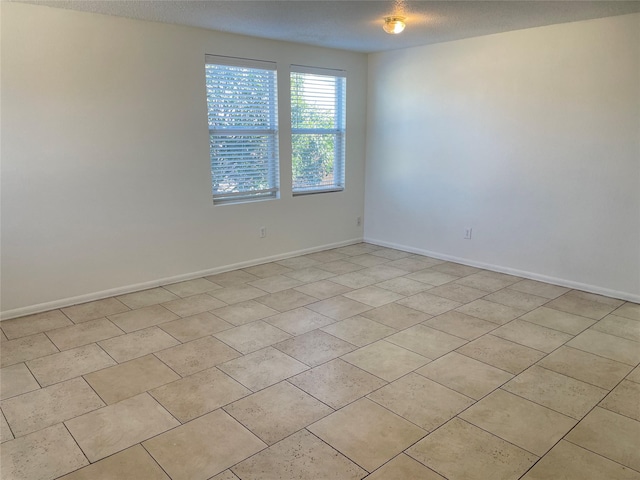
pixel 317 129
pixel 243 128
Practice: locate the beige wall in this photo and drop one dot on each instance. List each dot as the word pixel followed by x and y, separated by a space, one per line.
pixel 104 150
pixel 531 138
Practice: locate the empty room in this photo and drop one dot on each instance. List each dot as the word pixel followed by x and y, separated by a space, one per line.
pixel 259 240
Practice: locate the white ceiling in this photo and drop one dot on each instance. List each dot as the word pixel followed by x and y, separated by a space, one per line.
pixel 354 25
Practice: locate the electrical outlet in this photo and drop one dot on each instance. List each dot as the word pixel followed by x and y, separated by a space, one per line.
pixel 467 233
pixel 263 232
pixel 359 221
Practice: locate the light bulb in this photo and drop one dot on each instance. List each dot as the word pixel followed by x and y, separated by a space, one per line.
pixel 394 24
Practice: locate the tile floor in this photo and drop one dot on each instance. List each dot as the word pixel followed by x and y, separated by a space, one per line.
pixel 349 363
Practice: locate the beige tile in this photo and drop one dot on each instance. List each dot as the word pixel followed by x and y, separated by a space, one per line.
pixel 31 324
pixel 138 344
pixel 314 348
pixel 458 293
pixel 340 267
pixel 92 310
pixel 634 376
pixel 323 289
pixel 459 450
pixel 573 462
pixel 260 369
pixel 426 341
pixel 286 300
pixel 300 456
pixel 620 327
pixel 238 293
pixel 380 273
pixel 311 274
pixel 276 283
pixel 404 467
pixel 277 411
pixel 456 269
pixel 608 346
pixel 510 417
pixel 396 316
pixel 465 375
pixel 515 299
pixel 490 311
pixel 357 249
pixel 532 335
pixel 367 433
pixel 267 270
pixel 354 280
pixel 83 333
pixel 69 364
pixel 624 399
pixel 404 286
pixel 16 380
pixel 421 401
pixel 226 475
pixel 234 277
pixel 244 312
pixel 385 360
pixel 358 330
pixel 592 297
pixel 195 326
pixel 584 366
pixel 540 289
pixel 628 310
pixel 133 320
pixel 339 307
pixel 43 408
pixel 192 287
pixel 487 281
pixel 131 464
pixel 432 277
pixel 299 321
pixel 42 455
pixel 298 263
pixel 390 253
pixel 130 378
pixel 460 325
pixel 556 391
pixel 414 263
pixel 501 353
pixel 197 355
pixel 145 298
pixel 5 431
pixel 609 434
pixel 25 348
pixel 3 337
pixel 203 447
pixel 198 394
pixel 337 383
pixel 326 256
pixel 581 306
pixel 106 431
pixel 562 321
pixel 367 260
pixel 252 336
pixel 427 303
pixel 373 296
pixel 185 307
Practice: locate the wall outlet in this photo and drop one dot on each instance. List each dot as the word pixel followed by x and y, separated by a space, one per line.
pixel 263 232
pixel 359 221
pixel 467 233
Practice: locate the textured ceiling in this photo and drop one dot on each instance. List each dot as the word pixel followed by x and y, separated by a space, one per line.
pixel 354 25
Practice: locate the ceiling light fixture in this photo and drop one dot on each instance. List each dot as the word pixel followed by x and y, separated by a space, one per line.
pixel 394 24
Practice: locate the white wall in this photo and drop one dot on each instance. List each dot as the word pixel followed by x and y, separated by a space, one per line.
pixel 532 138
pixel 104 150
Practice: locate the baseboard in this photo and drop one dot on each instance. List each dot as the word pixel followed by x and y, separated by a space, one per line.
pixel 630 297
pixel 90 297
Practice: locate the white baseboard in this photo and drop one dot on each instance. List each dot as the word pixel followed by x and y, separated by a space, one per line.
pixel 630 297
pixel 89 297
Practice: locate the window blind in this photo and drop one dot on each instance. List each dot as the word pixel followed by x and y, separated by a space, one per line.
pixel 243 128
pixel 318 99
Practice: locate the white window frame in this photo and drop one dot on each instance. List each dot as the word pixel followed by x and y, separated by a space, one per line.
pixel 272 190
pixel 339 130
